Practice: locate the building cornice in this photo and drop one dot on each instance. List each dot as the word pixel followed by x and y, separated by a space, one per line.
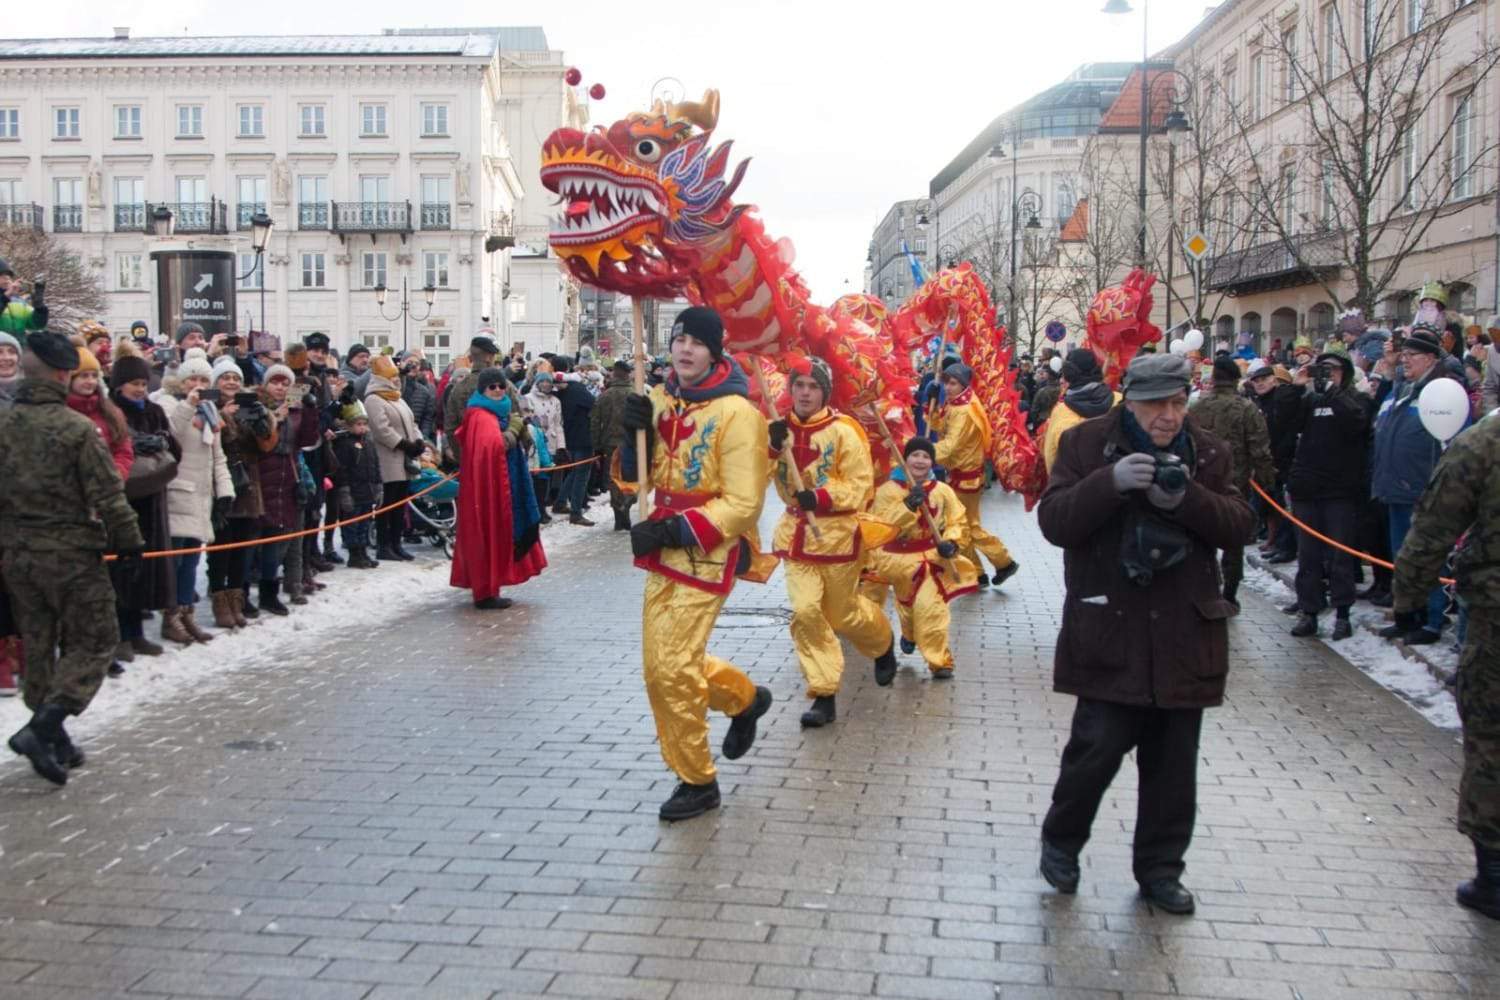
pixel 299 71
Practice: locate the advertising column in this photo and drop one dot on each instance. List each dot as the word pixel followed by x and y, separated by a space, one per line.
pixel 196 286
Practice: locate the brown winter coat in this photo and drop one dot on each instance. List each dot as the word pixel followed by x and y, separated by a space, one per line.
pixel 1165 644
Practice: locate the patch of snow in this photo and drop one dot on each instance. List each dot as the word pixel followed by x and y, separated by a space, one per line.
pixel 1408 679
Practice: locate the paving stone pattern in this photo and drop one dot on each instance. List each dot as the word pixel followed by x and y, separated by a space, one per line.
pixel 459 804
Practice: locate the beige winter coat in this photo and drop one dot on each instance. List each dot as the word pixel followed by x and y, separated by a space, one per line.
pixel 391 422
pixel 201 475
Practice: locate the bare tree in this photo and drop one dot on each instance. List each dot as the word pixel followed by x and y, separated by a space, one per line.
pixel 74 292
pixel 984 241
pixel 1097 256
pixel 1386 130
pixel 1046 283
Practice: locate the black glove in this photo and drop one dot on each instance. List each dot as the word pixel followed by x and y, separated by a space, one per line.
pixel 638 412
pixel 778 434
pixel 39 295
pixel 148 444
pixel 1410 621
pixel 807 499
pixel 413 449
pixel 220 514
pixel 947 549
pixel 648 536
pixel 915 498
pixel 130 556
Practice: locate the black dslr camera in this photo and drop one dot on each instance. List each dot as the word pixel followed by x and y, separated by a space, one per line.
pixel 1171 472
pixel 1320 378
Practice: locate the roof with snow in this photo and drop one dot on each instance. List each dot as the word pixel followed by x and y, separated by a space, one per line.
pixel 468 43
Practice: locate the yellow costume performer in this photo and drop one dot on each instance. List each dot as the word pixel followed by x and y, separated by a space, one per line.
pixel 708 471
pixel 963 441
pixel 1086 396
pixel 912 564
pixel 822 569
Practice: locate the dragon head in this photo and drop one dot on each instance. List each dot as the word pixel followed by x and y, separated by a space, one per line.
pixel 642 199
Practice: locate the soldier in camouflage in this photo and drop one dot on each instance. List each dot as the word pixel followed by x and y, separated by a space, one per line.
pixel 62 506
pixel 1238 422
pixel 1464 495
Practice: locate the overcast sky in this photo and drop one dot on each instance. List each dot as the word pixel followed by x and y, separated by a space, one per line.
pixel 844 105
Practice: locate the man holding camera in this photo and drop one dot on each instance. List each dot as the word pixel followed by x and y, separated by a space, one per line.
pixel 1139 499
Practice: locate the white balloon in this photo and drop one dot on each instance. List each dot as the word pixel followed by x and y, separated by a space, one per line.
pixel 1193 339
pixel 1178 347
pixel 1055 364
pixel 1444 406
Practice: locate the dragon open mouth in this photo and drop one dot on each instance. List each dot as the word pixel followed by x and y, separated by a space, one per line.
pixel 599 206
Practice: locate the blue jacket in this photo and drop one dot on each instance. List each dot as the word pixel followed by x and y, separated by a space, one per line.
pixel 1405 454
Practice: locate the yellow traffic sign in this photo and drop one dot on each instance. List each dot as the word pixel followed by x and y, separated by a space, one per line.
pixel 1196 245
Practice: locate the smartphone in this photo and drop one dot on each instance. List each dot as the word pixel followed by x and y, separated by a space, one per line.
pixel 163 354
pixel 245 398
pixel 232 339
pixel 209 395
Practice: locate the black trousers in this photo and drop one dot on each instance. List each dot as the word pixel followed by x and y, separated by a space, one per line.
pixel 1339 520
pixel 390 525
pixel 1375 538
pixel 1165 741
pixel 1232 562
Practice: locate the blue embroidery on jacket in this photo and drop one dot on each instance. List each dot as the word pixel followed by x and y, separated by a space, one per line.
pixel 692 472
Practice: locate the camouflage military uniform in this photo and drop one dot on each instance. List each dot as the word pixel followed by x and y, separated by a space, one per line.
pixel 1464 493
pixel 62 505
pixel 1238 422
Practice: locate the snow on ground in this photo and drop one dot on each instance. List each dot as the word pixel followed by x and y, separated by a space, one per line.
pixel 414 586
pixel 1408 679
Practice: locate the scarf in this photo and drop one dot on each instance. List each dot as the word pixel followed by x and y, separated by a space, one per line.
pixel 1140 440
pixel 725 378
pixel 1092 400
pixel 499 407
pixel 384 388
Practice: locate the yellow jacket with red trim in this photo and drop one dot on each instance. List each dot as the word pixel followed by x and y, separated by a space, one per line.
pixel 963 442
pixel 907 558
pixel 708 463
pixel 833 455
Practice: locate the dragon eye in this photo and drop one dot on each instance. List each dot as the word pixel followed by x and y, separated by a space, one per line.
pixel 648 150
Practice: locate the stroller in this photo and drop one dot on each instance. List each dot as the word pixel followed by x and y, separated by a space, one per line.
pixel 435 515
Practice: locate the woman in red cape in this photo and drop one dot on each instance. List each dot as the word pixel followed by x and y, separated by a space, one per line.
pixel 498 542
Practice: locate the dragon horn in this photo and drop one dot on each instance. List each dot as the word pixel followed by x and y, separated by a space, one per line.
pixel 704 113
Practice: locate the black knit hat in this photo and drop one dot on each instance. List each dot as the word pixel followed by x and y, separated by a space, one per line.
pixel 54 350
pixel 1424 338
pixel 703 325
pixel 1081 367
pixel 317 341
pixel 489 377
pixel 919 444
pixel 355 350
pixel 186 327
pixel 128 369
pixel 1226 372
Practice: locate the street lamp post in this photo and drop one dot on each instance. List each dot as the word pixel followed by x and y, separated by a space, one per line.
pixel 1176 121
pixel 428 292
pixel 260 235
pixel 1030 202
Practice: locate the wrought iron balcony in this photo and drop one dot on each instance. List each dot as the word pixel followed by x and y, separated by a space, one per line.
pixel 1272 265
pixel 372 217
pixel 67 218
pixel 19 214
pixel 502 232
pixel 437 215
pixel 244 210
pixel 210 216
pixel 130 217
pixel 312 215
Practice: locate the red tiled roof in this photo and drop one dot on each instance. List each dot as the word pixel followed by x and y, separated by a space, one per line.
pixel 1125 114
pixel 1076 229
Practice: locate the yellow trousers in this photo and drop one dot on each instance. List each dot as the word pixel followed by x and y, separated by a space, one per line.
pixel 682 681
pixel 925 622
pixel 980 539
pixel 826 604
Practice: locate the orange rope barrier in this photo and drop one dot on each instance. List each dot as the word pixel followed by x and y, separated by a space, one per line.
pixel 368 515
pixel 1365 556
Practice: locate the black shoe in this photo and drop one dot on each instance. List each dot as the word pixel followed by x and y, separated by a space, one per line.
pixel 907 646
pixel 561 509
pixel 1482 893
pixel 580 520
pixel 1307 625
pixel 269 601
pixel 1169 895
pixel 1291 609
pixel 36 739
pixel 983 581
pixel 545 518
pixel 823 712
pixel 622 520
pixel 1372 590
pixel 1392 632
pixel 400 552
pixel 741 735
pixel 1422 637
pixel 1059 868
pixel 249 609
pixel 116 669
pixel 885 667
pixel 387 553
pixel 1277 558
pixel 1384 599
pixel 494 604
pixel 332 556
pixel 943 674
pixel 68 755
pixel 1005 572
pixel 690 800
pixel 1342 629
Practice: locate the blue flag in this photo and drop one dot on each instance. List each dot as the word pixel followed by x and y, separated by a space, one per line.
pixel 917 274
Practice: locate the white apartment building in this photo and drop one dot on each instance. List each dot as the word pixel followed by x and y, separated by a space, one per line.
pixel 382 159
pixel 887 267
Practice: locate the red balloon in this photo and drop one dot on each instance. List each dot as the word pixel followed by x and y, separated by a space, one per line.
pixel 573 76
pixel 597 91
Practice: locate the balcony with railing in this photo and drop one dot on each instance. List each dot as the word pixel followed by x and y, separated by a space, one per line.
pixel 245 210
pixel 1276 264
pixel 22 214
pixel 312 215
pixel 502 232
pixel 67 218
pixel 210 216
pixel 130 218
pixel 371 217
pixel 437 215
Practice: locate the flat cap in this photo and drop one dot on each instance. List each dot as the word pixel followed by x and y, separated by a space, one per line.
pixel 1157 376
pixel 484 344
pixel 54 350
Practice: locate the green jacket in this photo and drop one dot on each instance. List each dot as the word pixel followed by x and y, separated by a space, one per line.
pixel 1238 422
pixel 1463 495
pixel 59 487
pixel 17 317
pixel 607 420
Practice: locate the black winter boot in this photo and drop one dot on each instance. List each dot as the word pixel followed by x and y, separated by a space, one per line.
pixel 1307 625
pixel 823 712
pixel 68 755
pixel 36 740
pixel 690 800
pixel 1343 628
pixel 885 667
pixel 1482 893
pixel 622 520
pixel 741 735
pixel 1059 868
pixel 269 601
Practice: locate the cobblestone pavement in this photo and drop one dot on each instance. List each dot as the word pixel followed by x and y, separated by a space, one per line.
pixel 450 804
